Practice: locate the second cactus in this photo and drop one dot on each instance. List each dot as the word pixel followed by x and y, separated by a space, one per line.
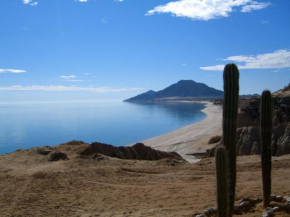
pixel 266 135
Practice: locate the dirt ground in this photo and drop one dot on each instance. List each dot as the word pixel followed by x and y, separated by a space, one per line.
pixel 31 185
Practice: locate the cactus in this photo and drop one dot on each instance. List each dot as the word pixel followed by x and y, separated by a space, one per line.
pixel 230 113
pixel 221 163
pixel 266 134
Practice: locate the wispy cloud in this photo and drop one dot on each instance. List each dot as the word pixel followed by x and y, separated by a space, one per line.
pixel 276 60
pixel 255 6
pixel 119 0
pixel 68 76
pixel 34 4
pixel 74 80
pixel 81 0
pixel 207 9
pixel 265 22
pixel 29 2
pixel 67 88
pixel 14 71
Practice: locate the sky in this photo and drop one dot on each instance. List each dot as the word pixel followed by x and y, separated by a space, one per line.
pixel 115 49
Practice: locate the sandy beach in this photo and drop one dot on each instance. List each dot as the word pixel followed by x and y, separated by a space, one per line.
pixel 193 138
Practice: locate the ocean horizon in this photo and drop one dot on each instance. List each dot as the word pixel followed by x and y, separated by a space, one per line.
pixel 34 124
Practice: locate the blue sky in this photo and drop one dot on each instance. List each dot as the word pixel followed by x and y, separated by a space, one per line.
pixel 115 49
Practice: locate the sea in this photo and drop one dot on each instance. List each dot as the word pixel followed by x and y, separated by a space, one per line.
pixel 34 124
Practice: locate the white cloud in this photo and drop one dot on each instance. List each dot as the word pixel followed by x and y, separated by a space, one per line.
pixel 34 4
pixel 29 2
pixel 68 76
pixel 66 88
pixel 207 9
pixel 213 68
pixel 82 0
pixel 255 6
pixel 104 20
pixel 26 1
pixel 74 80
pixel 119 0
pixel 276 60
pixel 15 71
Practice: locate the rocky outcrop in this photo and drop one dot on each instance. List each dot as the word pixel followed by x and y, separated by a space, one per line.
pixel 248 132
pixel 283 143
pixel 248 141
pixel 138 152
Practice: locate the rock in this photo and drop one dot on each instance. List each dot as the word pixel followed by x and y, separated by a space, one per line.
pixel 209 152
pixel 99 157
pixel 265 214
pixel 248 141
pixel 269 210
pixel 138 152
pixel 74 143
pixel 244 204
pixel 214 139
pixel 287 199
pixel 276 209
pixel 244 120
pixel 46 150
pixel 56 156
pixel 276 198
pixel 283 143
pixel 43 152
pixel 237 210
pixel 210 212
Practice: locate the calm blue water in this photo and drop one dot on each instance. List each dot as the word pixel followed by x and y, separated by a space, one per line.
pixel 118 123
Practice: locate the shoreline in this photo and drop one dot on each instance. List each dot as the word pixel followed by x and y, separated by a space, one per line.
pixel 192 138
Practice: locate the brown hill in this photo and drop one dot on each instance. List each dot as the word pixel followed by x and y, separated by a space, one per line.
pixel 95 185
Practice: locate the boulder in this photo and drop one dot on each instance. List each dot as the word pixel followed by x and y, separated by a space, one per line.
pixel 137 152
pixel 56 156
pixel 214 139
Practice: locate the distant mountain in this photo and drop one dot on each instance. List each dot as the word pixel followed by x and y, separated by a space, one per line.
pixel 249 95
pixel 183 88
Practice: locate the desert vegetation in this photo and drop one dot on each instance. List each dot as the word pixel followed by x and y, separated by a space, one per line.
pixel 225 155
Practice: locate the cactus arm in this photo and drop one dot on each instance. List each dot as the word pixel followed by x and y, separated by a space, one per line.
pixel 221 181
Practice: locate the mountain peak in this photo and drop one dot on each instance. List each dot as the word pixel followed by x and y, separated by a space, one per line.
pixel 186 81
pixel 183 88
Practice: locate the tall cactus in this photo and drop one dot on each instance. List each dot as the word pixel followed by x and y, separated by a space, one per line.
pixel 221 164
pixel 230 113
pixel 266 134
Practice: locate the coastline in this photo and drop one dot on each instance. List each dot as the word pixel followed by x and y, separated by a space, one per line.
pixel 192 138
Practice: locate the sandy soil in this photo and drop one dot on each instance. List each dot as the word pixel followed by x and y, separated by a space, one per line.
pixel 193 138
pixel 31 185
